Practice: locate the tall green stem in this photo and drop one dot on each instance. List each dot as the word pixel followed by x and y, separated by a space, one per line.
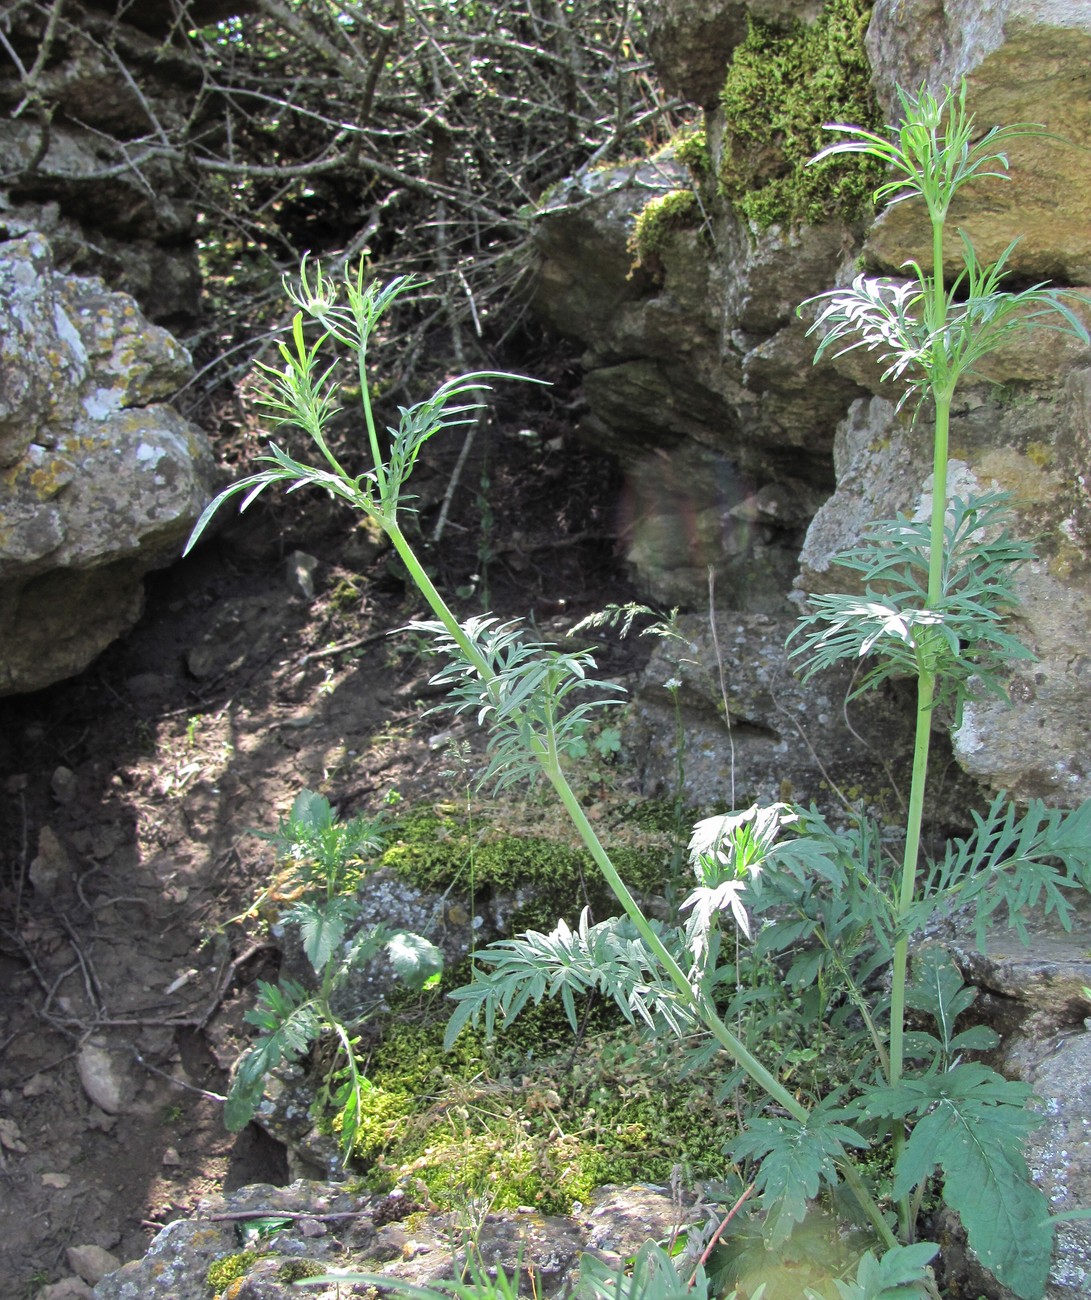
pixel 941 386
pixel 936 315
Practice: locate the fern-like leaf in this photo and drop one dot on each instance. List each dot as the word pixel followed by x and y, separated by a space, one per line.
pixel 900 1274
pixel 288 1017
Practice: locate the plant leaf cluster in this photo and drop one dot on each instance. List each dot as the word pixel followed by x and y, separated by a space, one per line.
pixel 958 636
pixel 292 1018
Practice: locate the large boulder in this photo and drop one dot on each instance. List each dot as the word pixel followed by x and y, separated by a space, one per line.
pixel 1025 61
pixel 100 478
pixel 82 158
pixel 697 379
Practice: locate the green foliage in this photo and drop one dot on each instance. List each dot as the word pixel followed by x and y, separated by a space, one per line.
pixel 480 1282
pixel 549 876
pixel 782 88
pixel 935 601
pixel 691 149
pixel 957 636
pixel 972 1123
pixel 292 1018
pixel 795 1160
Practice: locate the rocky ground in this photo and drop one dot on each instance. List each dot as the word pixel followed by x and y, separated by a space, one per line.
pixel 129 795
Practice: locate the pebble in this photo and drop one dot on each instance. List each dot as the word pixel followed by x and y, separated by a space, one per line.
pixel 91 1262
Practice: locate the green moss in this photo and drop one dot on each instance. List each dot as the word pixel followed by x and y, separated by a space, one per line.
pixel 294 1270
pixel 225 1270
pixel 436 851
pixel 691 149
pixel 781 88
pixel 659 219
pixel 534 1119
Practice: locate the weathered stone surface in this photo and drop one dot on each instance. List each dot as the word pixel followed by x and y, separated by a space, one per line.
pixel 1025 61
pixel 1045 977
pixel 104 1076
pixel 787 741
pixel 91 1262
pixel 691 41
pixel 101 479
pixel 126 216
pixel 337 1229
pixel 1039 746
pixel 698 380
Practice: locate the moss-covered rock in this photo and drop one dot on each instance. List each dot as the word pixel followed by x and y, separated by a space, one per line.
pixel 534 1119
pixel 782 87
pixel 229 1268
pixel 659 219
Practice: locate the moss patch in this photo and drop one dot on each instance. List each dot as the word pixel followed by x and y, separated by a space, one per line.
pixel 229 1268
pixel 781 88
pixel 550 877
pixel 536 1119
pixel 691 149
pixel 659 219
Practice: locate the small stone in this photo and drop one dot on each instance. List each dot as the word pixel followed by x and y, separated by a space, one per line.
pixel 63 783
pixel 11 1139
pixel 58 1182
pixel 99 1120
pixel 71 1288
pixel 91 1262
pixel 102 1077
pixel 52 867
pixel 37 1085
pixel 171 1158
pixel 299 570
pixel 311 1228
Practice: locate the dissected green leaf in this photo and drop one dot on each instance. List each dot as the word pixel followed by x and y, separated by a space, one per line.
pixel 972 1125
pixel 322 927
pixel 900 1274
pixel 795 1160
pixel 291 1024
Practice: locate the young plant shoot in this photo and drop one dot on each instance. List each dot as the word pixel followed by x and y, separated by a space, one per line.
pixel 937 595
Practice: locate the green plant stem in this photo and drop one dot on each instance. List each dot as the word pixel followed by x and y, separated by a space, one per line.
pixel 942 392
pixel 734 1046
pixel 369 420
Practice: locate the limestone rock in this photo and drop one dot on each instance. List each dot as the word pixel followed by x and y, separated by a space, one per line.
pixel 102 478
pixel 1037 746
pixel 691 41
pixel 69 1288
pixel 91 1262
pixel 370 1234
pixel 697 376
pixel 51 869
pixel 104 1076
pixel 1025 61
pixel 1044 977
pixel 787 741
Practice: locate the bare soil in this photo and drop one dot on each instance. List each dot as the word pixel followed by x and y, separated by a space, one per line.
pixel 128 797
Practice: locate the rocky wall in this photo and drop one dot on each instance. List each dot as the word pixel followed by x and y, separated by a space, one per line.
pixel 100 477
pixel 740 454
